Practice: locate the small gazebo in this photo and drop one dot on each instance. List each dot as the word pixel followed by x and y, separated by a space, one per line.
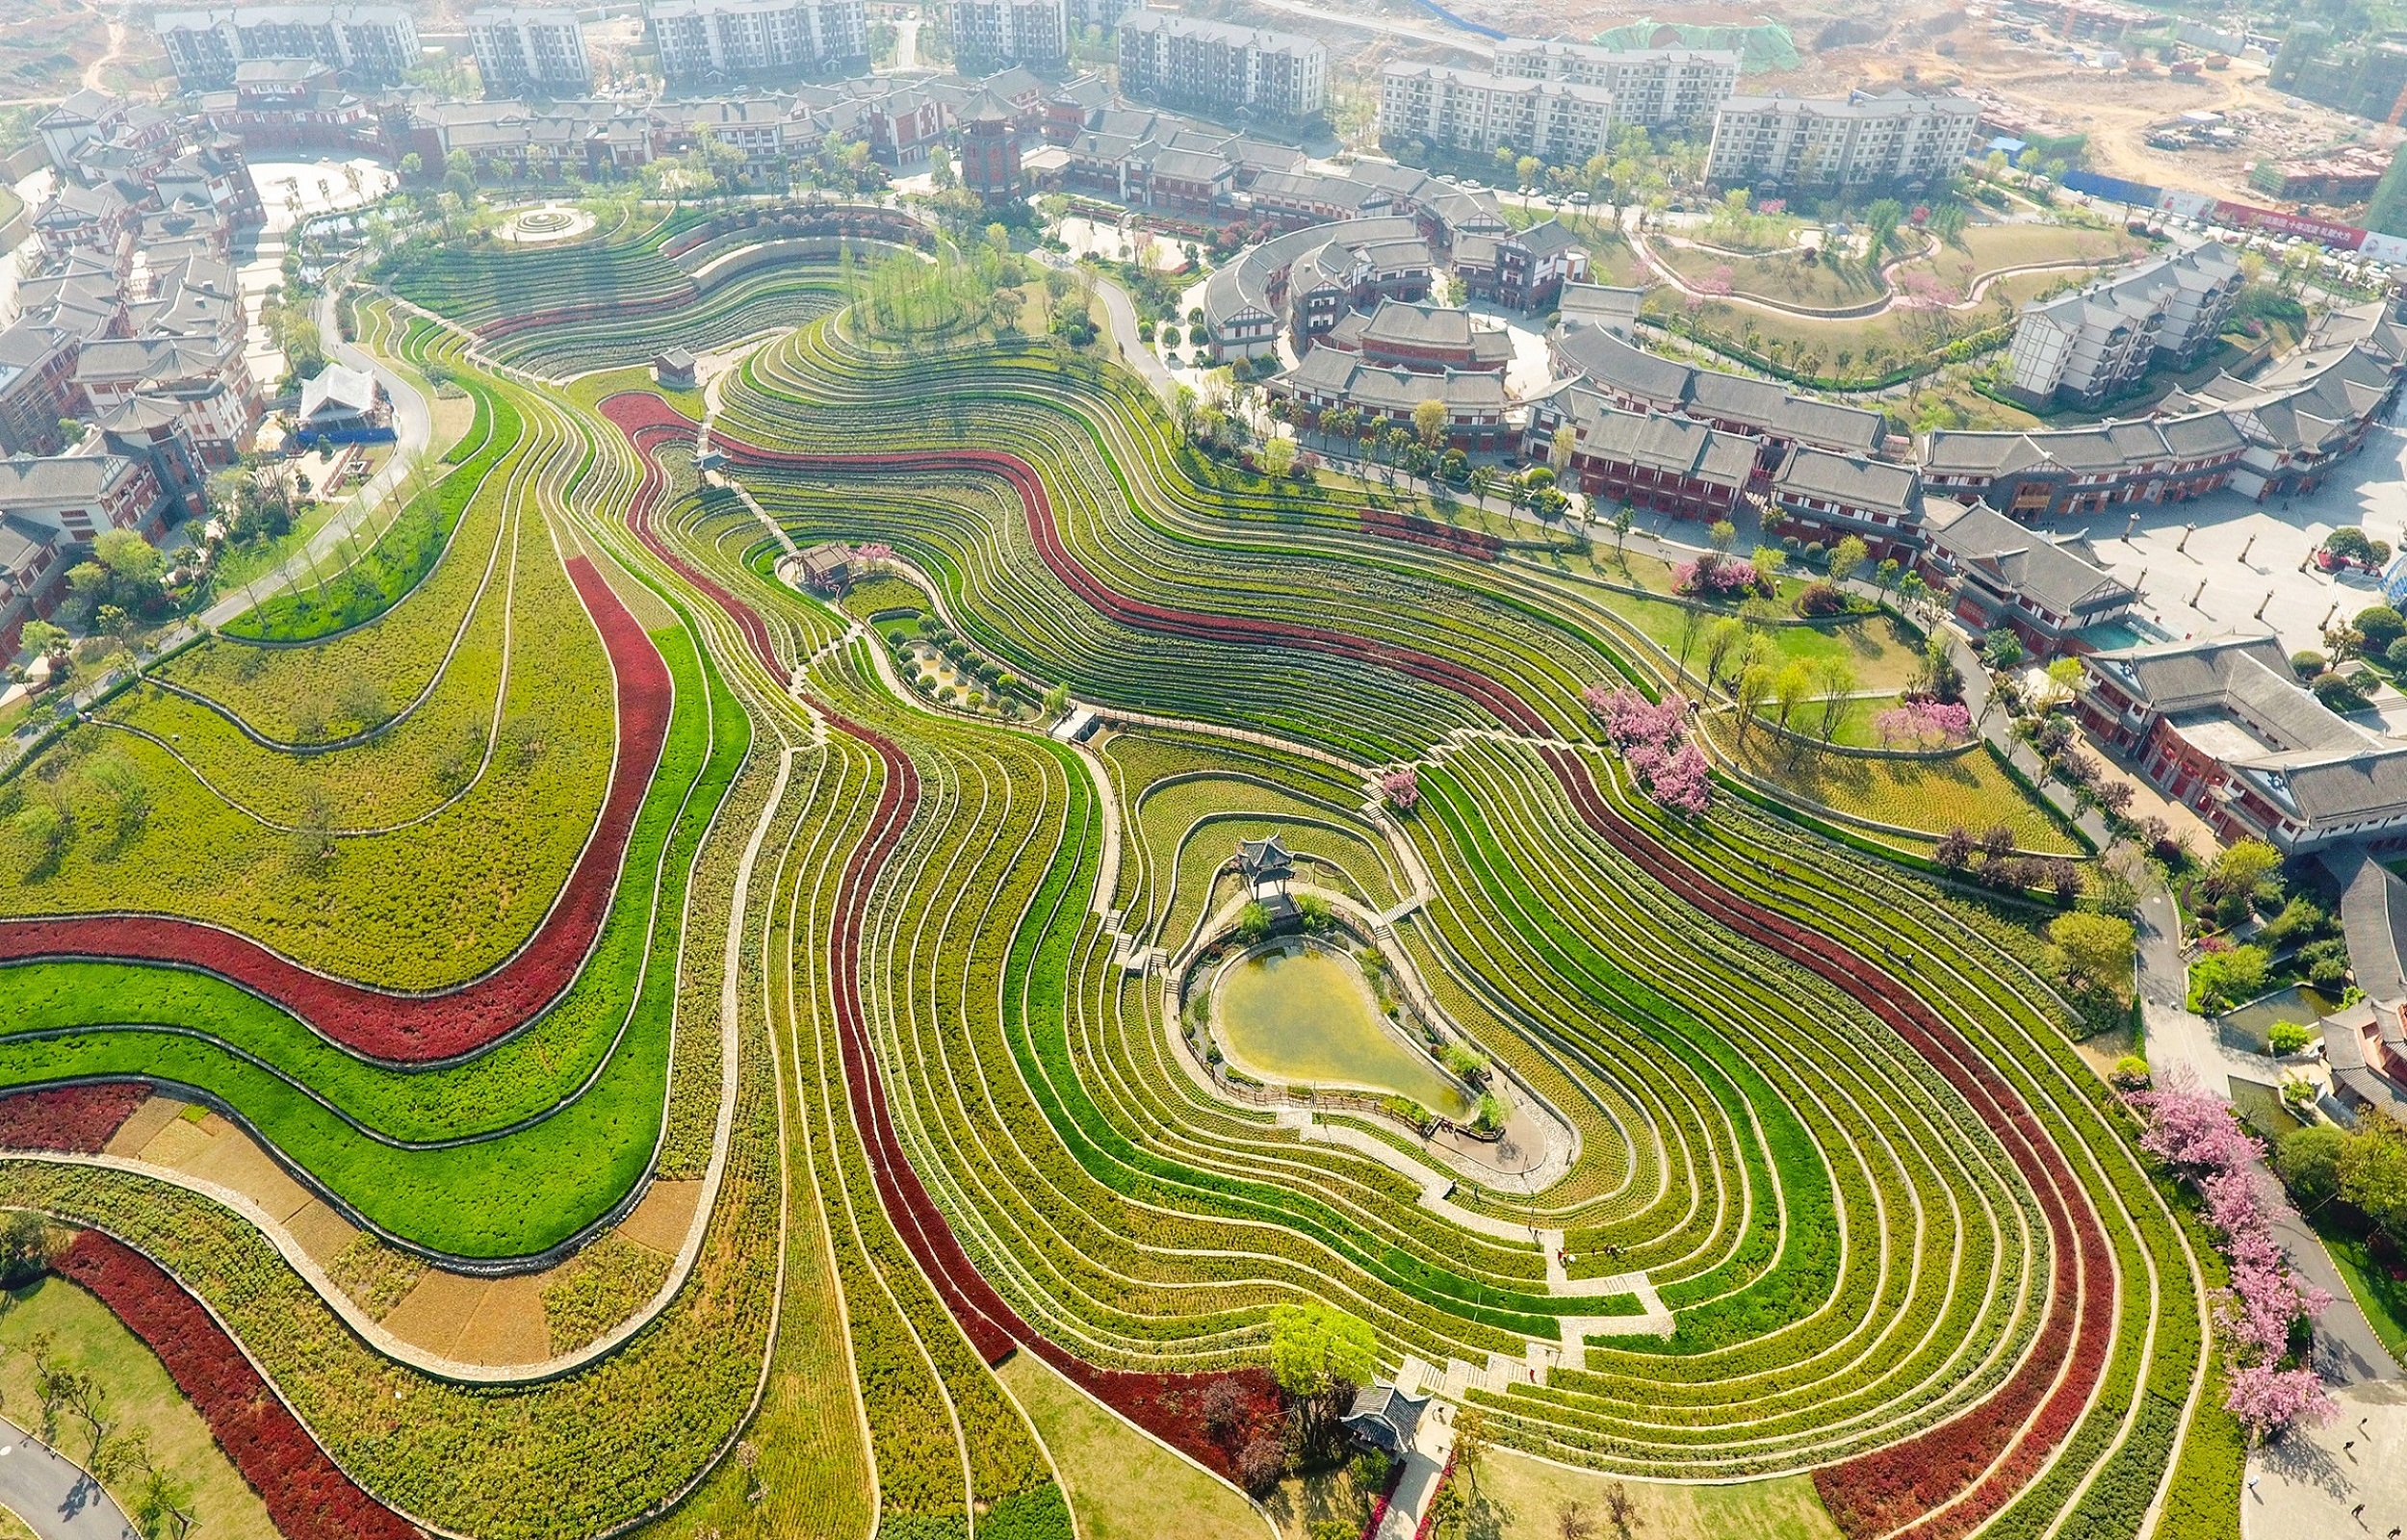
pixel 1265 862
pixel 827 568
pixel 1383 1418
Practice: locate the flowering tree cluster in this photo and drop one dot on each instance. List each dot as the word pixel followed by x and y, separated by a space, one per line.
pixel 1717 575
pixel 1653 741
pixel 2196 1133
pixel 1923 724
pixel 1401 789
pixel 1919 289
pixel 873 552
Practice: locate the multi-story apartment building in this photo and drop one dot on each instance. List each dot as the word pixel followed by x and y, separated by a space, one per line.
pixel 368 46
pixel 1860 140
pixel 989 33
pixel 2095 343
pixel 1212 67
pixel 701 39
pixel 1651 87
pixel 1100 15
pixel 1470 112
pixel 37 386
pixel 522 49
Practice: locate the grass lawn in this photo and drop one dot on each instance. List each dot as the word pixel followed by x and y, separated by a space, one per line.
pixel 1301 1502
pixel 1930 796
pixel 1122 1485
pixel 12 1527
pixel 1894 333
pixel 1855 720
pixel 88 1337
pixel 1883 656
pixel 238 565
pixel 1989 247
pixel 873 596
pixel 1525 1499
pixel 1780 277
pixel 1951 401
pixel 2382 1297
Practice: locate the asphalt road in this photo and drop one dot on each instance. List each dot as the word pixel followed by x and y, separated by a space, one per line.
pixel 53 1494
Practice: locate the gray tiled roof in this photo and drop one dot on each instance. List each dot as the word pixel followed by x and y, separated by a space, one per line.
pixel 2175 676
pixel 1393 391
pixel 1657 441
pixel 1245 283
pixel 50 480
pixel 1859 484
pixel 1754 403
pixel 2062 577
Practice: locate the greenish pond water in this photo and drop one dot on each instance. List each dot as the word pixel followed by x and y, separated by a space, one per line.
pixel 2245 1027
pixel 1307 1016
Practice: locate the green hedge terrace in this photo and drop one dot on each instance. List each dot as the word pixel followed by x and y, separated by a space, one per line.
pixel 967 565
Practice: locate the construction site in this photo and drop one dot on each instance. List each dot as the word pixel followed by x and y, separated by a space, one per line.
pixel 2130 92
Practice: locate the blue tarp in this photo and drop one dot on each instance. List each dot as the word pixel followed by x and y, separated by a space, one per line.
pixel 311 438
pixel 2139 193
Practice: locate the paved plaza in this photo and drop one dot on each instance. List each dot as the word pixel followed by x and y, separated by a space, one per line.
pixel 2310 1484
pixel 2241 566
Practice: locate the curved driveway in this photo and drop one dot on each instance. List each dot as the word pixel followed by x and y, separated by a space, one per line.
pixel 57 1497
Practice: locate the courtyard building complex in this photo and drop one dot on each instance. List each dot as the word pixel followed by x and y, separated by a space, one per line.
pixel 1862 140
pixel 1214 67
pixel 2222 726
pixel 1635 380
pixel 2003 575
pixel 1819 497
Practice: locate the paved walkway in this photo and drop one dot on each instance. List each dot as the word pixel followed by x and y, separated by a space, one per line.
pixel 1134 350
pixel 54 1495
pixel 2348 1349
pixel 2343 1481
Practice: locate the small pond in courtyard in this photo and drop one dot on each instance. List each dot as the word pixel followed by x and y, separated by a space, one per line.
pixel 1304 1015
pixel 2245 1027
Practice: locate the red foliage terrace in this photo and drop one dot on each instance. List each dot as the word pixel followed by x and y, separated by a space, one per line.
pixel 2001 1432
pixel 71 1119
pixel 1166 1405
pixel 444 1024
pixel 1478 545
pixel 306 1493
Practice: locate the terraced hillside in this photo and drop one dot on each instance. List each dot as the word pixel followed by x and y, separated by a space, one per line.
pixel 756 984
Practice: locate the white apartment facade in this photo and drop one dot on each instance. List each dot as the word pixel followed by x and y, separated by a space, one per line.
pixel 2087 346
pixel 1180 61
pixel 701 39
pixel 1862 139
pixel 1471 111
pixel 369 44
pixel 520 48
pixel 993 33
pixel 1651 87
